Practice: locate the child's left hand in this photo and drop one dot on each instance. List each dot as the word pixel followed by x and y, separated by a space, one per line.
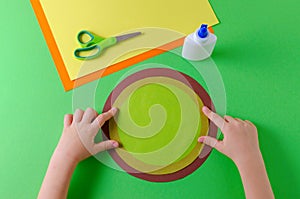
pixel 77 141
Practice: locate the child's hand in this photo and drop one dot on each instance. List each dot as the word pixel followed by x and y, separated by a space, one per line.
pixel 240 141
pixel 77 141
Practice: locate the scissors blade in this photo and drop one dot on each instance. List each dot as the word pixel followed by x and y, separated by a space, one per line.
pixel 127 36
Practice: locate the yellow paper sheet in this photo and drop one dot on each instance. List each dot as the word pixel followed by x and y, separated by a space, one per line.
pixel 113 17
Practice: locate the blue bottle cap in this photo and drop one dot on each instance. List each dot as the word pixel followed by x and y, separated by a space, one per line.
pixel 203 31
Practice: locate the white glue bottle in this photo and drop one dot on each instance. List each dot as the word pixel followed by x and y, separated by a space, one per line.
pixel 199 45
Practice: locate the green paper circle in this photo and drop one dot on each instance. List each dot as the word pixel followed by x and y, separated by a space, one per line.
pixel 146 105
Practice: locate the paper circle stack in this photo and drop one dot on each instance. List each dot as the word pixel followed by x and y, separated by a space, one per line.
pixel 158 124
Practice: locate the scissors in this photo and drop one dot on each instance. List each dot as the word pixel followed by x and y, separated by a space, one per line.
pixel 96 44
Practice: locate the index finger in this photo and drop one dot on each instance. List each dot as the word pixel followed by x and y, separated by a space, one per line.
pixel 214 117
pixel 102 118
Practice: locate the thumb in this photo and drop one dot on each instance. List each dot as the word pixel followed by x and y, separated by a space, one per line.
pixel 210 141
pixel 105 145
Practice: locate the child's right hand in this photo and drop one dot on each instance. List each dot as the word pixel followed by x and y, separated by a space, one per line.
pixel 240 141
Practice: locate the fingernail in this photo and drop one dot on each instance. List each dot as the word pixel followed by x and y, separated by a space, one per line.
pixel 115 144
pixel 205 109
pixel 114 110
pixel 201 139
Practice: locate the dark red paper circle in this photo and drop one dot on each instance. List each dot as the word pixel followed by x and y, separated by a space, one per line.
pixel 190 82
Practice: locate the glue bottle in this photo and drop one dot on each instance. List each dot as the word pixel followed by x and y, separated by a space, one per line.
pixel 199 45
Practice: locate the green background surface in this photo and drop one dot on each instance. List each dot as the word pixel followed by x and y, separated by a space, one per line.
pixel 257 54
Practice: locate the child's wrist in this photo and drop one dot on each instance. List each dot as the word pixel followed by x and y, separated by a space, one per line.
pixel 249 158
pixel 64 156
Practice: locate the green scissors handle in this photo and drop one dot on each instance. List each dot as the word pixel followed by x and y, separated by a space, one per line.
pixel 94 50
pixel 92 38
